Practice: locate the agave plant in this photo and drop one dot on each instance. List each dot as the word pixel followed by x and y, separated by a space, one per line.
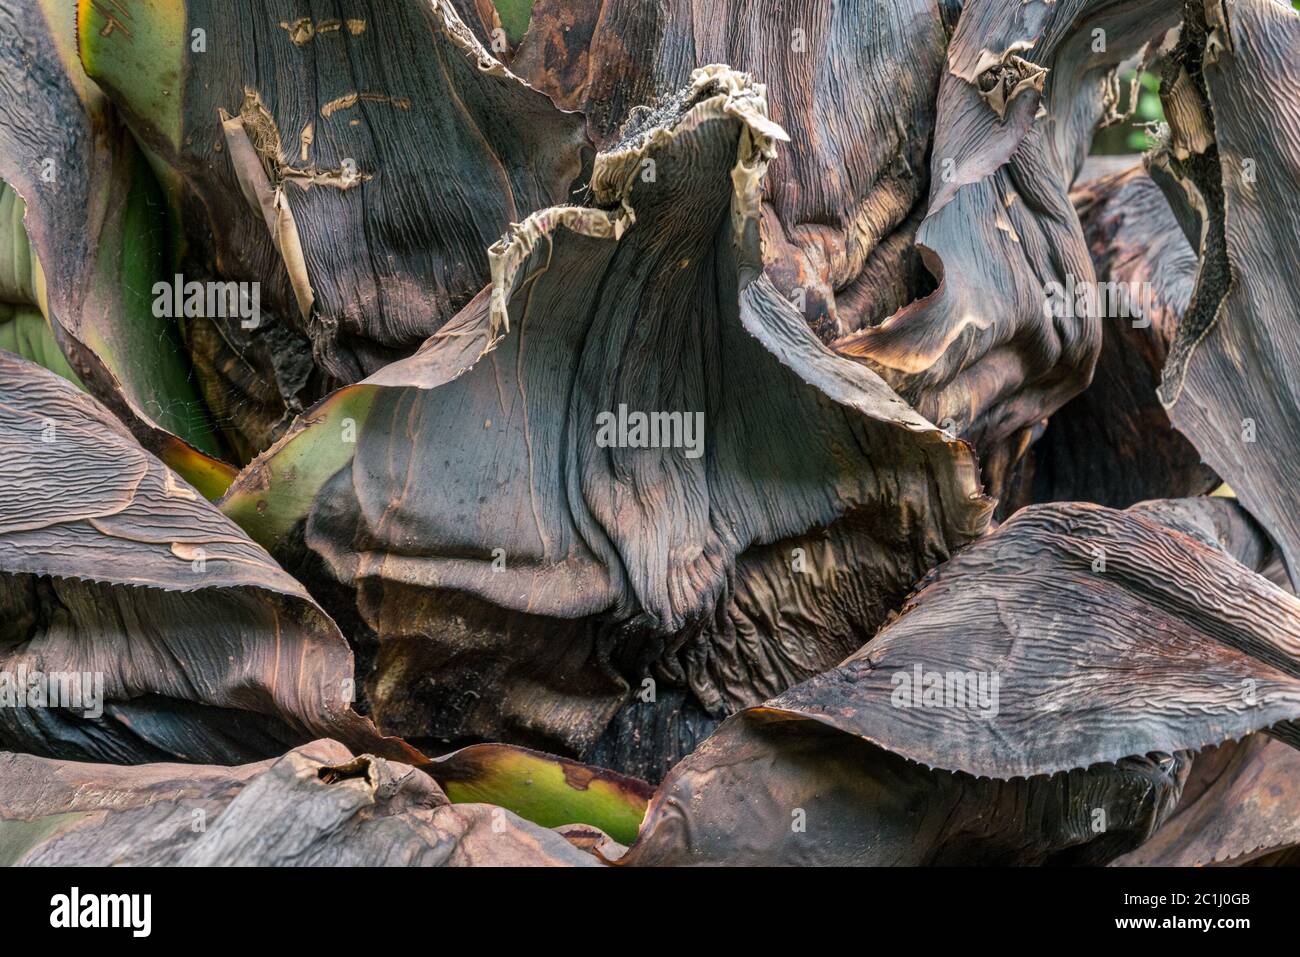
pixel 438 432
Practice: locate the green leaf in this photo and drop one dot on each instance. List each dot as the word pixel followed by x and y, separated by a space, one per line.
pixel 1149 109
pixel 277 488
pixel 23 327
pixel 139 50
pixel 1138 140
pixel 88 238
pixel 547 790
pixel 23 330
pixel 515 15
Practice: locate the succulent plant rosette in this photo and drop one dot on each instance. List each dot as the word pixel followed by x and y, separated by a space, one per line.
pixel 742 432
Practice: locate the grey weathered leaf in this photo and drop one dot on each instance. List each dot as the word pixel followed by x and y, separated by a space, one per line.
pixel 390 145
pixel 1036 700
pixel 316 806
pixel 853 83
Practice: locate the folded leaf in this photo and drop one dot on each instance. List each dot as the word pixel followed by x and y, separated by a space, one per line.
pixel 996 347
pixel 1113 444
pixel 853 83
pixel 183 638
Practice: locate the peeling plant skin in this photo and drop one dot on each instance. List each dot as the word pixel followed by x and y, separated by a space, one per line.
pixel 624 564
pixel 482 19
pixel 1113 444
pixel 400 245
pixel 1244 192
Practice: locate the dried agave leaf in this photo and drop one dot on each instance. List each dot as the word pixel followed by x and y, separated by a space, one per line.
pixel 1025 87
pixel 519 580
pixel 92 214
pixel 190 642
pixel 358 167
pixel 1095 650
pixel 316 806
pixel 1228 383
pixel 1218 522
pixel 1113 443
pixel 852 82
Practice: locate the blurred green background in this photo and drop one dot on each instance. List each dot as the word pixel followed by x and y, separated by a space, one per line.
pixel 1130 136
